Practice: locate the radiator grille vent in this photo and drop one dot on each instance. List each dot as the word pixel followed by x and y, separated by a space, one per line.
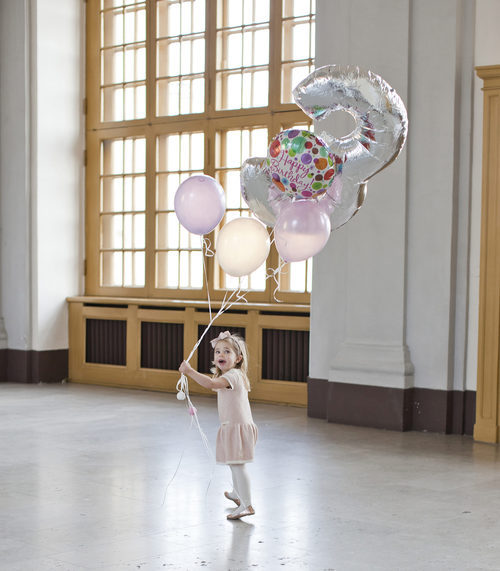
pixel 285 355
pixel 106 341
pixel 205 353
pixel 161 345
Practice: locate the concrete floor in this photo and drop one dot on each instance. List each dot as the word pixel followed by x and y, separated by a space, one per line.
pixel 84 471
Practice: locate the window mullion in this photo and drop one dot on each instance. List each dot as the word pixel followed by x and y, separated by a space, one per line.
pixel 151 60
pixel 210 139
pixel 150 211
pixel 210 170
pixel 150 147
pixel 275 55
pixel 210 56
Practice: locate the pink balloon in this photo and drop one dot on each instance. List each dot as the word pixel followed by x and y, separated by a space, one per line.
pixel 301 230
pixel 200 203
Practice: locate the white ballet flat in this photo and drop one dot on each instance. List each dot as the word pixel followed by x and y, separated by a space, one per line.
pixel 235 500
pixel 247 511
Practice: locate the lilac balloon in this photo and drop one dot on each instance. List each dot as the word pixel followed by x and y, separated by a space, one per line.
pixel 200 203
pixel 301 230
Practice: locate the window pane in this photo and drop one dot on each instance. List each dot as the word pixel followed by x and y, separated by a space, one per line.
pixel 112 66
pixel 112 194
pixel 111 269
pixel 127 269
pixel 258 278
pixel 233 192
pixel 139 272
pixel 112 232
pixel 260 88
pixel 295 8
pixel 112 104
pixel 105 4
pixel 139 193
pixel 232 14
pixel 196 269
pixel 172 270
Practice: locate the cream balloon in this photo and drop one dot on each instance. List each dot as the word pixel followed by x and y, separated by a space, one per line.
pixel 242 246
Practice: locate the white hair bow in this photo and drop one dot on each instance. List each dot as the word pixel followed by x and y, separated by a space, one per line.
pixel 222 335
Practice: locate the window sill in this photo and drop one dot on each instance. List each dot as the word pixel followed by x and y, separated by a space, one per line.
pixel 152 303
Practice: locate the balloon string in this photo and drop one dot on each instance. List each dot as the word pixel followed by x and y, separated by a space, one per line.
pixel 235 297
pixel 179 463
pixel 227 303
pixel 207 248
pixel 194 419
pixel 182 385
pixel 207 252
pixel 272 237
pixel 275 275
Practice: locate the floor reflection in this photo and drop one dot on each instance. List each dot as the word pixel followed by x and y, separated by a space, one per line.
pixel 240 542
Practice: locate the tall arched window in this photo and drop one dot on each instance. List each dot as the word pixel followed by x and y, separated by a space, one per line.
pixel 175 88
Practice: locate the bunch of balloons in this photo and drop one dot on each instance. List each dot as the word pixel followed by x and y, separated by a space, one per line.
pixel 309 184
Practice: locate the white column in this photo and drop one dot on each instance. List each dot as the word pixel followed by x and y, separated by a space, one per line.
pixel 58 143
pixel 439 190
pixel 41 169
pixel 393 281
pixel 358 310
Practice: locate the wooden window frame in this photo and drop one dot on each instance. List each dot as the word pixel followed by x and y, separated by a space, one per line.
pixel 273 117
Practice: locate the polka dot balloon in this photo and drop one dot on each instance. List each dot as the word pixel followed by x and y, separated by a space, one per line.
pixel 300 164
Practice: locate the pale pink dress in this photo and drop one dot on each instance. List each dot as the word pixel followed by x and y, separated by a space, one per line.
pixel 237 433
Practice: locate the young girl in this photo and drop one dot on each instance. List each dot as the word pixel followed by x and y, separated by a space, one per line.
pixel 237 434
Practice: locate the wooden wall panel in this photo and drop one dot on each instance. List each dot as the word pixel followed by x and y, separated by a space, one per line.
pixel 154 338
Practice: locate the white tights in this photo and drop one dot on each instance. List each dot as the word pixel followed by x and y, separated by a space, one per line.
pixel 241 484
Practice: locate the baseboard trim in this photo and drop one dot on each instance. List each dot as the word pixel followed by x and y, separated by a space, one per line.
pixel 17 366
pixel 447 412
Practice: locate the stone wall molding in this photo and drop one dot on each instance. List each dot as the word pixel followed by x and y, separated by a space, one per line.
pixel 376 364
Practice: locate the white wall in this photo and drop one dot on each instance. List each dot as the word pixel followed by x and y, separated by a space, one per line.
pixel 396 275
pixel 57 186
pixel 15 197
pixel 41 168
pixel 487 52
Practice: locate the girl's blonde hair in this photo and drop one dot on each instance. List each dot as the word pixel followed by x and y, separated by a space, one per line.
pixel 239 346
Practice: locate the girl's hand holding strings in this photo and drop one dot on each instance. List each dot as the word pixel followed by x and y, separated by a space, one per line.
pixel 185 368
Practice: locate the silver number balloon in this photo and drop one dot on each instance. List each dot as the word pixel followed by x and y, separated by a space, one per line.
pixel 379 133
pixel 380 127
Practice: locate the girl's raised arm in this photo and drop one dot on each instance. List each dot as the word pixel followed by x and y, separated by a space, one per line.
pixel 203 380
